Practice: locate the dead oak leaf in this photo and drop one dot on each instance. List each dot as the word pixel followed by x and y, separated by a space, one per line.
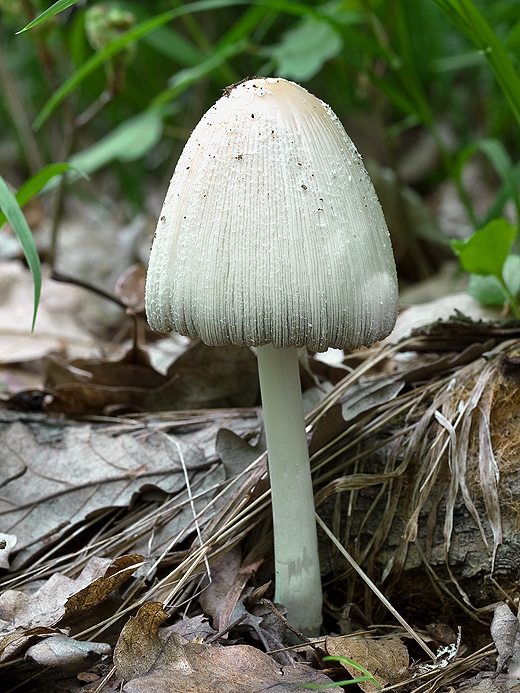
pixel 386 659
pixel 50 484
pixel 98 590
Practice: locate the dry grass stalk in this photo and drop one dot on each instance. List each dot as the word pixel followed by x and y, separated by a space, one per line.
pixel 426 435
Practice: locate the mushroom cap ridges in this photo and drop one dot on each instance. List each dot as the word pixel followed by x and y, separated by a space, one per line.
pixel 271 231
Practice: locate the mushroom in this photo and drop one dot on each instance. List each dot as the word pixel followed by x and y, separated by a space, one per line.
pixel 272 236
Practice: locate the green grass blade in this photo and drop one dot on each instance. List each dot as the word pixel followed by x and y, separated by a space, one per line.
pixel 352 663
pixel 499 157
pixel 33 186
pixel 174 46
pixel 15 216
pixel 119 44
pixel 50 12
pixel 245 25
pixel 323 687
pixel 349 662
pixel 470 21
pixel 184 78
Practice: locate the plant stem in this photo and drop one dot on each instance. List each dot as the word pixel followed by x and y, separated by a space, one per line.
pixel 297 568
pixel 510 298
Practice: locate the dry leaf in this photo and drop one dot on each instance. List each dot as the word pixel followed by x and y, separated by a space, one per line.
pixel 50 485
pixel 368 394
pixel 225 598
pixel 236 453
pixel 223 573
pixel 216 376
pixel 66 653
pixel 92 386
pixel 139 644
pixel 195 628
pixel 504 631
pixel 58 325
pixel 26 616
pixel 440 311
pixel 489 685
pixel 14 644
pixel 386 659
pixel 61 598
pixel 202 377
pixel 115 575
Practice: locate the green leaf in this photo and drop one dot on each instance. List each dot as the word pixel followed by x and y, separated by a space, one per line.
pixel 174 46
pixel 486 251
pixel 352 663
pixel 15 216
pixel 33 186
pixel 304 49
pixel 50 12
pixel 489 291
pixel 129 141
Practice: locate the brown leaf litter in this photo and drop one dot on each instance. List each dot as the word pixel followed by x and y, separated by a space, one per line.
pixel 171 664
pixel 57 604
pixel 201 377
pixel 415 467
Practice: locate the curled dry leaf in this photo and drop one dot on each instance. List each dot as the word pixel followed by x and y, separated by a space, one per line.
pixel 139 644
pixel 98 590
pixel 66 653
pixel 386 659
pixel 15 643
pixel 172 664
pixel 504 631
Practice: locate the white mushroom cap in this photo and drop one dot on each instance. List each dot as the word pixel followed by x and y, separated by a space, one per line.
pixel 271 231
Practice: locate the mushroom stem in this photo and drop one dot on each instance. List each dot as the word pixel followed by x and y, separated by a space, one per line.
pixel 297 567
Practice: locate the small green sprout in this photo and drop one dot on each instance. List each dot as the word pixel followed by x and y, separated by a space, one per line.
pixel 351 663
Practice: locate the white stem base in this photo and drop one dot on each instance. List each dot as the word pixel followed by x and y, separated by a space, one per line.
pixel 297 568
